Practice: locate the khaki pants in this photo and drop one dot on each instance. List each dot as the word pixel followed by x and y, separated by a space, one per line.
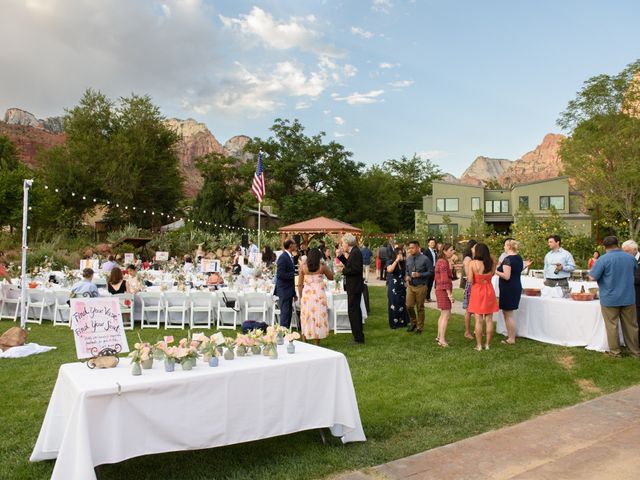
pixel 415 300
pixel 629 323
pixel 365 272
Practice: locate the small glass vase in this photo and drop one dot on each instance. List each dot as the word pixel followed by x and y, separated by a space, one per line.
pixel 213 361
pixel 169 365
pixel 280 340
pixel 147 364
pixel 291 348
pixel 228 354
pixel 273 354
pixel 241 351
pixel 136 369
pixel 187 364
pixel 255 349
pixel 206 357
pixel 266 349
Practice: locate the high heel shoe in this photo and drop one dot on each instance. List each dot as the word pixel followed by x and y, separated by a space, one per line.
pixel 443 344
pixel 477 349
pixel 486 347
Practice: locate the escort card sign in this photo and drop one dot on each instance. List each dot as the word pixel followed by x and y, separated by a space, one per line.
pixel 162 256
pixel 209 265
pixel 90 263
pixel 129 259
pixel 97 324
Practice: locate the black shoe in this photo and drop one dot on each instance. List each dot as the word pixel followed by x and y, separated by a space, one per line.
pixel 411 328
pixel 418 332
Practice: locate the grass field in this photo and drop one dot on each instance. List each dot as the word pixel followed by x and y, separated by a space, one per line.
pixel 412 396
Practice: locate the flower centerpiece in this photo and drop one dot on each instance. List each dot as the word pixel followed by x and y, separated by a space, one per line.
pixel 209 350
pixel 337 277
pixel 187 353
pixel 270 342
pixel 255 336
pixel 162 350
pixel 243 344
pixel 141 353
pixel 230 343
pixel 290 337
pixel 281 332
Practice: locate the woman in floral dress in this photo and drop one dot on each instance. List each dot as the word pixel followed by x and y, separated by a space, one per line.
pixel 314 316
pixel 397 291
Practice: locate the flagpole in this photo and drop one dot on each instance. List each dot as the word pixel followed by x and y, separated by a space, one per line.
pixel 259 212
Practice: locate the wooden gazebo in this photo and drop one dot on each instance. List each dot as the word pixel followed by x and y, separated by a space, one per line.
pixel 318 226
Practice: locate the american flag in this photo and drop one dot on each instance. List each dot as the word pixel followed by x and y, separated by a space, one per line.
pixel 257 186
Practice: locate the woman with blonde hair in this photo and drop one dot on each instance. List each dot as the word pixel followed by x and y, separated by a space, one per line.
pixel 510 286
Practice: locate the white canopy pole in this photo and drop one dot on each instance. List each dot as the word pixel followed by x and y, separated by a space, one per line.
pixel 259 212
pixel 26 185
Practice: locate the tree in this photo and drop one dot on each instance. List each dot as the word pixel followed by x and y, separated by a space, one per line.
pixel 306 176
pixel 478 229
pixel 602 153
pixel 493 184
pixel 123 153
pixel 376 198
pixel 413 179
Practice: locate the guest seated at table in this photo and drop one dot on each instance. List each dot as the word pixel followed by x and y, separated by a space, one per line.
pixel 85 287
pixel 314 316
pixel 3 271
pixel 110 264
pixel 215 279
pixel 510 285
pixel 593 258
pixel 558 264
pixel 144 263
pixel 246 270
pixel 188 267
pixel 116 283
pixel 134 285
pixel 482 302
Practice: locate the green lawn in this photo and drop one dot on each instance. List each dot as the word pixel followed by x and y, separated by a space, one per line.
pixel 412 395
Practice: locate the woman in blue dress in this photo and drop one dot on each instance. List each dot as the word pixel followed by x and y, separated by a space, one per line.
pixel 396 290
pixel 510 286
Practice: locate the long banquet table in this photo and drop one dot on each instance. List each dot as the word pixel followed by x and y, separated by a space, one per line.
pixel 107 416
pixel 559 321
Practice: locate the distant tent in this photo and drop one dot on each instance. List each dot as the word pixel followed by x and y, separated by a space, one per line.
pixel 318 226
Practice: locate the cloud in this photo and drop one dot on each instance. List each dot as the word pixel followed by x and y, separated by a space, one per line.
pixel 383 6
pixel 339 120
pixel 401 84
pixel 302 105
pixel 117 47
pixel 340 134
pixel 386 65
pixel 433 154
pixel 280 35
pixel 258 91
pixel 361 32
pixel 361 98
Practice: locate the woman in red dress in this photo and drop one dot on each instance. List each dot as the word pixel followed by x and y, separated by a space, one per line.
pixel 483 303
pixel 444 291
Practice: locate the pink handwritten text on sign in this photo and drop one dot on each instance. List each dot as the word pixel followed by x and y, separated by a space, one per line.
pixel 97 324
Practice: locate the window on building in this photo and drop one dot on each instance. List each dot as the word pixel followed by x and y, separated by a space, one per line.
pixel 524 202
pixel 447 205
pixel 475 203
pixel 496 206
pixel 441 230
pixel 552 201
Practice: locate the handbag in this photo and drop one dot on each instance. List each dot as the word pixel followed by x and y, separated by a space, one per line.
pixel 229 303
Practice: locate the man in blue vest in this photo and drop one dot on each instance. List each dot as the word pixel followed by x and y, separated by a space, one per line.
pixel 285 282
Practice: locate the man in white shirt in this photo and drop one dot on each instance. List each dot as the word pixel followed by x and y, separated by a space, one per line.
pixel 558 264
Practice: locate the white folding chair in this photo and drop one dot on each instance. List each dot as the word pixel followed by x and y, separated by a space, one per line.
pixel 295 320
pixel 201 303
pixel 222 309
pixel 151 303
pixel 340 309
pixel 10 296
pixel 255 303
pixel 61 309
pixel 175 302
pixel 275 311
pixel 127 307
pixel 37 299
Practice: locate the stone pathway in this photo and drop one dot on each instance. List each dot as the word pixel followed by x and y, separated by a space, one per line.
pixel 593 440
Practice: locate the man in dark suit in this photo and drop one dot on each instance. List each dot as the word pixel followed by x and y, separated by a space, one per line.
pixel 285 282
pixel 351 257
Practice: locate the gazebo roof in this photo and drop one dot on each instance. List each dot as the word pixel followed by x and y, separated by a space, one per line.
pixel 320 225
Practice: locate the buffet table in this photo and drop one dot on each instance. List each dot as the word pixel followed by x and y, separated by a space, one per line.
pixel 107 416
pixel 559 321
pixel 533 282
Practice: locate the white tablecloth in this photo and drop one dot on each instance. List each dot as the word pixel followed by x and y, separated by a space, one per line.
pixel 88 422
pixel 559 321
pixel 532 282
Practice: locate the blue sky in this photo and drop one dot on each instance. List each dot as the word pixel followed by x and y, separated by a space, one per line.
pixel 448 80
